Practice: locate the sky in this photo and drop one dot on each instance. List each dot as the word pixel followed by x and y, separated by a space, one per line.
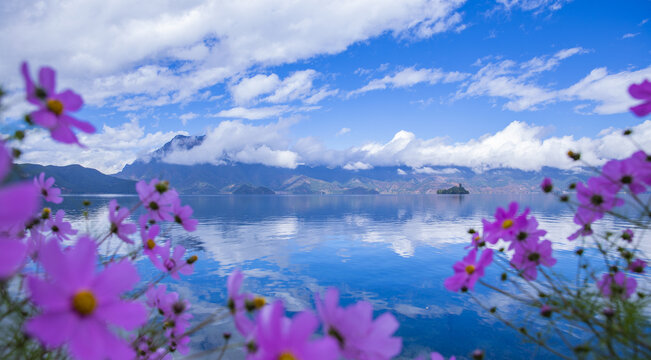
pixel 351 83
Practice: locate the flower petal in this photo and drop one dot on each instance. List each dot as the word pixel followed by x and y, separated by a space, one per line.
pixel 52 329
pixel 17 203
pixel 47 79
pixel 114 280
pixel 71 100
pixel 12 256
pixel 126 314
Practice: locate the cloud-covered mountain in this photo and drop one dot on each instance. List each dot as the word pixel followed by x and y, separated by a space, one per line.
pixel 225 175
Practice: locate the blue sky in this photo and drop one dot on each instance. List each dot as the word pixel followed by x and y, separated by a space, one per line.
pixel 333 82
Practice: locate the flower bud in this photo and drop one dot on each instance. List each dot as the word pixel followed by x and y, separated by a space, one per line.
pixel 192 259
pixel 478 354
pixel 574 156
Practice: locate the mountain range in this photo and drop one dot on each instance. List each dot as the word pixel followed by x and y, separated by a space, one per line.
pixel 235 177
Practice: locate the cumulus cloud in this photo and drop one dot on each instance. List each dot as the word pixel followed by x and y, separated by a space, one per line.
pixel 343 131
pixel 519 145
pixel 187 116
pixel 409 77
pixel 253 113
pixel 533 5
pixel 109 50
pixel 108 150
pixel 250 88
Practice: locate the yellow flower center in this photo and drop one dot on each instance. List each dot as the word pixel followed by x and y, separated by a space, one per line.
pixel 55 106
pixel 84 302
pixel 46 213
pixel 470 269
pixel 151 244
pixel 259 302
pixel 507 224
pixel 286 356
pixel 477 237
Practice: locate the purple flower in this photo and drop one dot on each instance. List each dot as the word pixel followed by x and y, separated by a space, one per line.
pixel 624 173
pixel 358 335
pixel 5 160
pixel 476 241
pixel 642 163
pixel 117 227
pixel 437 356
pixel 148 235
pixel 78 305
pixel 44 186
pixel 505 226
pixel 468 271
pixel 595 199
pixel 12 256
pixel 528 257
pixel 546 185
pixel 617 285
pixel 637 266
pixel 278 337
pixel 17 203
pixel 641 91
pixel 61 229
pixel 528 232
pixel 158 298
pixel 54 107
pixel 237 303
pixel 627 235
pixel 157 198
pixel 173 263
pixel 182 215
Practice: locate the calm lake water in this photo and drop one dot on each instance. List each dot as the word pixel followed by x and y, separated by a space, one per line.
pixel 393 251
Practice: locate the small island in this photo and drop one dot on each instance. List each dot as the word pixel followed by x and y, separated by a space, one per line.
pixel 454 190
pixel 250 190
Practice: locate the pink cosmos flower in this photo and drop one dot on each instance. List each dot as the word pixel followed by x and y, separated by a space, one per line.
pixel 641 91
pixel 637 266
pixel 642 163
pixel 61 229
pixel 148 235
pixel 173 263
pixel 529 256
pixel 528 232
pixel 476 241
pixel 505 226
pixel 79 305
pixel 54 107
pixel 158 298
pixel 546 185
pixel 51 194
pixel 5 160
pixel 627 235
pixel 157 198
pixel 358 335
pixel 182 215
pixel 17 203
pixel 278 337
pixel 117 227
pixel 595 199
pixel 617 285
pixel 12 256
pixel 624 173
pixel 468 271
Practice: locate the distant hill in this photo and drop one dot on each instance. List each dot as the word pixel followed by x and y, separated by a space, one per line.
pixel 252 190
pixel 76 179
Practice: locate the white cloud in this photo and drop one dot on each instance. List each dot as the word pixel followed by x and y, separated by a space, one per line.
pixel 253 113
pixel 187 116
pixel 410 77
pixel 429 171
pixel 343 131
pixel 107 150
pixel 250 88
pixel 357 166
pixel 236 141
pixel 107 50
pixel 630 35
pixel 533 5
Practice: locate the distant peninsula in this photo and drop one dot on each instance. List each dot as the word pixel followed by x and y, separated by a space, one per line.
pixel 454 190
pixel 251 190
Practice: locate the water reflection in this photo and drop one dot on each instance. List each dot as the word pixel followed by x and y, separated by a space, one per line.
pixel 393 251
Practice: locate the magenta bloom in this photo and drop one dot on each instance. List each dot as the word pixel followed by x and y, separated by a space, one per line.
pixel 624 173
pixel 79 305
pixel 182 215
pixel 278 337
pixel 12 256
pixel 528 232
pixel 637 266
pixel 358 335
pixel 117 227
pixel 44 186
pixel 157 199
pixel 17 203
pixel 5 160
pixel 642 163
pixel 61 229
pixel 532 254
pixel 468 271
pixel 54 107
pixel 596 198
pixel 617 285
pixel 641 91
pixel 173 263
pixel 505 226
pixel 546 185
pixel 148 235
pixel 158 298
pixel 237 303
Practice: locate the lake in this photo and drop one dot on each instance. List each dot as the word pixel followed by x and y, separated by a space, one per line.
pixel 393 251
